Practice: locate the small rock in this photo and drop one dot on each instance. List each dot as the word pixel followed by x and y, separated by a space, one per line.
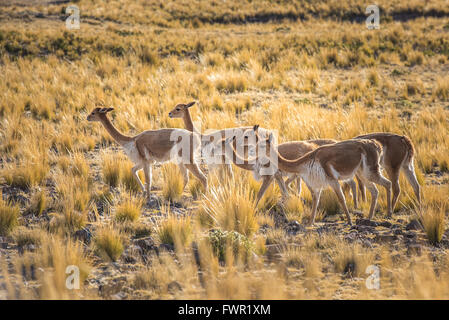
pixel 366 222
pixel 131 253
pixel 295 227
pixel 413 225
pixel 351 236
pixel 363 228
pixel 146 244
pixel 410 234
pixel 84 235
pixel 385 224
pixel 173 287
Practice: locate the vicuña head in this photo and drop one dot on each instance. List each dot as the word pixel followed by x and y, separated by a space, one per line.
pixel 97 113
pixel 180 110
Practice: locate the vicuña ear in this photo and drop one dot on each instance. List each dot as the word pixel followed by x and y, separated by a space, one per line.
pixel 190 104
pixel 105 110
pixel 256 127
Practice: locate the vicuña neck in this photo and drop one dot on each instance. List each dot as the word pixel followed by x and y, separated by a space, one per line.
pixel 291 165
pixel 188 121
pixel 283 164
pixel 240 162
pixel 119 137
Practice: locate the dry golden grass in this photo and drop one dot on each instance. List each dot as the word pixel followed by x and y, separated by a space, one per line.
pixel 9 215
pixel 173 183
pixel 129 210
pixel 108 243
pixel 231 206
pixel 175 231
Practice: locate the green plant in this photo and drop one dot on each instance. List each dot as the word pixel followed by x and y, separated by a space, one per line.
pixel 225 242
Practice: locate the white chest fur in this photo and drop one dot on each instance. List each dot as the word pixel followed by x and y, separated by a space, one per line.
pixel 131 151
pixel 314 176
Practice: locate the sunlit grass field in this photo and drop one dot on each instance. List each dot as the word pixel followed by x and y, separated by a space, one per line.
pixel 306 70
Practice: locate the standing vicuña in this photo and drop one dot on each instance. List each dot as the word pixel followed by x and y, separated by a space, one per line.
pixel 153 146
pixel 290 150
pixel 329 164
pixel 210 142
pixel 398 153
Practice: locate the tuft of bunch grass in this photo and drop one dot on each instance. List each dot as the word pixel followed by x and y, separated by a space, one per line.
pixel 351 259
pixel 175 231
pixel 441 90
pixel 108 244
pixel 79 166
pixel 24 236
pixel 127 178
pixel 9 217
pixel 129 210
pixel 111 171
pixel 54 256
pixel 25 176
pixel 294 208
pixel 196 188
pixel 173 183
pixel 232 207
pixel 433 222
pixel 38 203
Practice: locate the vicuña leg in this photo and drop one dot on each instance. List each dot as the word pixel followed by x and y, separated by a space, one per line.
pixel 409 171
pixel 353 187
pixel 196 171
pixel 290 180
pixel 135 170
pixel 265 184
pixel 148 170
pixel 381 180
pixel 374 195
pixel 185 174
pixel 393 175
pixel 361 188
pixel 281 184
pixel 298 185
pixel 341 198
pixel 316 194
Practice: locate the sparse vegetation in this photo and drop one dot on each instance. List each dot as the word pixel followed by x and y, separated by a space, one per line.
pixel 175 231
pixel 129 210
pixel 173 183
pixel 109 244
